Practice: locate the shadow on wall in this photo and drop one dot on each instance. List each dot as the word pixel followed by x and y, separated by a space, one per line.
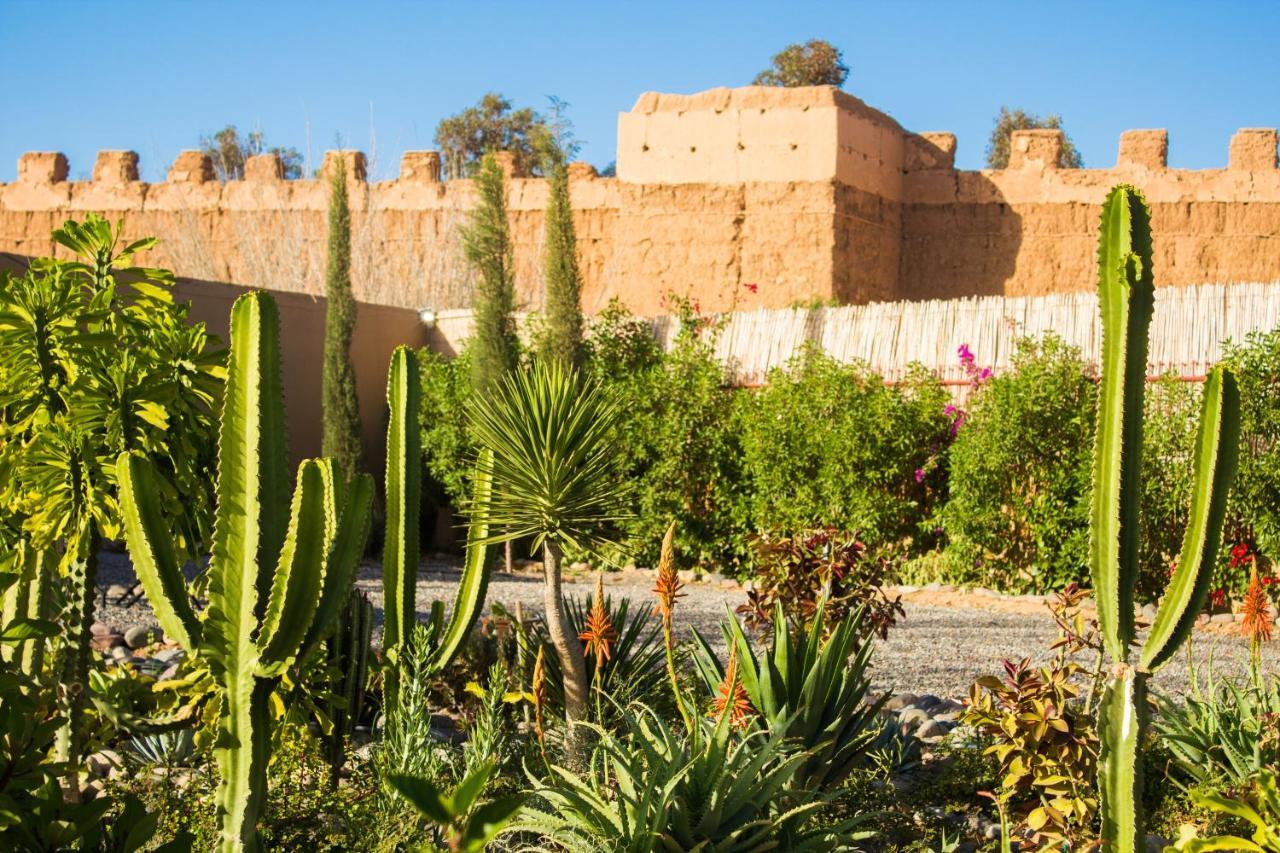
pixel 955 249
pixel 379 330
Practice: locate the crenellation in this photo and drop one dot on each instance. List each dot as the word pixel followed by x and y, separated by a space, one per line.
pixel 1143 149
pixel 1038 149
pixel 116 167
pixel 42 167
pixel 1253 149
pixel 749 197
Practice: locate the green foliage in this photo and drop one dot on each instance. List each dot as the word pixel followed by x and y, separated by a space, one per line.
pixel 1010 120
pixel 561 337
pixel 814 63
pixel 830 444
pixel 676 441
pixel 1255 501
pixel 340 407
pixel 229 151
pixel 1259 808
pixel 447 448
pixel 492 125
pixel 1126 292
pixel 277 576
pixel 1169 432
pixel 819 571
pixel 655 790
pixel 466 826
pixel 347 651
pixel 493 348
pixel 1019 484
pixel 1222 733
pixel 809 685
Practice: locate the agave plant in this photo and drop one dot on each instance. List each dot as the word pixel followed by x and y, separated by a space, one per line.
pixel 658 790
pixel 1126 293
pixel 548 432
pixel 807 688
pixel 279 571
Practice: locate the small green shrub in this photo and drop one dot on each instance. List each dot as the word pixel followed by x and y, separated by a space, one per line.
pixel 1020 467
pixel 1255 501
pixel 830 444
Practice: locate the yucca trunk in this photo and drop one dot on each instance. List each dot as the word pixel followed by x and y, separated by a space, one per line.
pixel 566 643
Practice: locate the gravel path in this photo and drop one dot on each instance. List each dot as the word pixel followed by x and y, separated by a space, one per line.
pixel 936 649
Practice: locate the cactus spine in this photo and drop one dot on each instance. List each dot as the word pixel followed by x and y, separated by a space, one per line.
pixel 1126 294
pixel 401 546
pixel 279 572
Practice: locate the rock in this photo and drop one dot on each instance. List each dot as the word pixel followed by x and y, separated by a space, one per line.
pixel 927 702
pixel 991 831
pixel 169 673
pixel 116 590
pixel 107 642
pixel 169 655
pixel 911 719
pixel 1148 612
pixel 1156 844
pixel 1222 618
pixel 141 635
pixel 120 653
pixel 104 763
pixel 902 700
pixel 100 629
pixel 932 729
pixel 91 791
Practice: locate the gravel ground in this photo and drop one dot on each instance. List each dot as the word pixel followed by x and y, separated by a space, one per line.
pixel 936 649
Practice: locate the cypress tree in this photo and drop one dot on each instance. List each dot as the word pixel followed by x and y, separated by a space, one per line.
pixel 340 407
pixel 562 334
pixel 486 242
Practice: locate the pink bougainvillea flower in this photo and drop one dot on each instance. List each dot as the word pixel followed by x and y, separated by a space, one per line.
pixel 919 475
pixel 751 287
pixel 1218 597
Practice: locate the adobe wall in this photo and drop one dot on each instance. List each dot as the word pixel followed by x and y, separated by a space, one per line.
pixel 738 198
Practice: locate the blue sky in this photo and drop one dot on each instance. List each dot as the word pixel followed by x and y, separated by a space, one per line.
pixel 154 76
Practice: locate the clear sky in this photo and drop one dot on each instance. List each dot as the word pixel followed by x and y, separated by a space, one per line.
pixel 154 76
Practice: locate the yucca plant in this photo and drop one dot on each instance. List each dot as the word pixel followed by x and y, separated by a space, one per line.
pixel 808 688
pixel 1126 293
pixel 401 551
pixel 279 572
pixel 548 430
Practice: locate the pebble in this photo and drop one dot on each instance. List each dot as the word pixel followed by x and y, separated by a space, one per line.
pixel 911 719
pixel 1222 618
pixel 121 653
pixel 100 629
pixel 107 642
pixel 901 701
pixel 116 590
pixel 932 729
pixel 168 655
pixel 1148 612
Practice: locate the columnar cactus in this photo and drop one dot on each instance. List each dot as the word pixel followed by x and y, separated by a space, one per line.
pixel 347 649
pixel 1126 294
pixel 277 576
pixel 401 545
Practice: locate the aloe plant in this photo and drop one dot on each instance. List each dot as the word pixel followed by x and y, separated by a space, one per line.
pixel 401 543
pixel 1126 293
pixel 279 572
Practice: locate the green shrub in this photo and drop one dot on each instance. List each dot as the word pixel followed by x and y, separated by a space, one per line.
pixel 1255 501
pixel 1168 435
pixel 447 449
pixel 830 444
pixel 1020 467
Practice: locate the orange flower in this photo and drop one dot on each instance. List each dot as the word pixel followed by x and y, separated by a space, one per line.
pixel 600 633
pixel 668 585
pixel 539 692
pixel 732 696
pixel 1257 610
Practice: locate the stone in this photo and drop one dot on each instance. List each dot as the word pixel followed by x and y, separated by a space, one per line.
pixel 264 168
pixel 116 590
pixel 357 166
pixel 121 653
pixel 167 655
pixel 141 635
pixel 104 763
pixel 911 719
pixel 107 642
pixel 420 167
pixel 1143 149
pixel 100 629
pixel 932 729
pixel 927 702
pixel 1035 149
pixel 1148 612
pixel 900 701
pixel 1156 844
pixel 1222 618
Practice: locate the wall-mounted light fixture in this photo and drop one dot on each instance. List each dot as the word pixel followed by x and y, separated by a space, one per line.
pixel 427 317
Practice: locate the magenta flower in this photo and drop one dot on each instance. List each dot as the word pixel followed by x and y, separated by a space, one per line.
pixel 919 475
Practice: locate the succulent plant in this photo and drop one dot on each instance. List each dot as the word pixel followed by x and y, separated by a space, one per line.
pixel 279 572
pixel 347 650
pixel 1126 293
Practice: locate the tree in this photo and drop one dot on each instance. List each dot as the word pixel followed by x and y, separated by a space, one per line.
pixel 492 125
pixel 229 151
pixel 340 407
pixel 1010 120
pixel 561 338
pixel 814 63
pixel 493 348
pixel 553 480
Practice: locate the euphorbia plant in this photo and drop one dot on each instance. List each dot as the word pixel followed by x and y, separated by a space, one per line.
pixel 279 572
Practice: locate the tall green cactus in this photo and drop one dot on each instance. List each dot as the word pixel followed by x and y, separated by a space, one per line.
pixel 1126 294
pixel 401 545
pixel 347 649
pixel 278 574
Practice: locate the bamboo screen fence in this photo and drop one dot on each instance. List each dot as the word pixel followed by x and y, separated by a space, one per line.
pixel 1187 332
